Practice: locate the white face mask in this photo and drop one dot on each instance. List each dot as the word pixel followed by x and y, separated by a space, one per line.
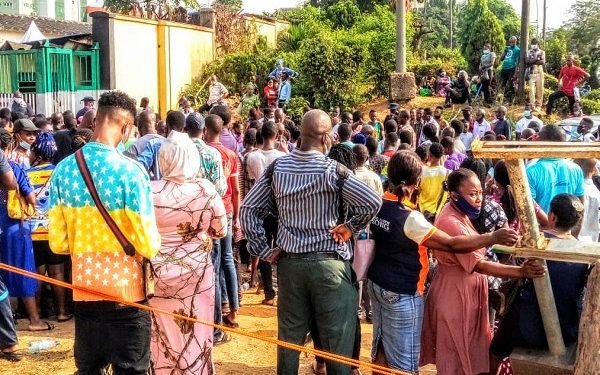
pixel 534 47
pixel 25 146
pixel 486 51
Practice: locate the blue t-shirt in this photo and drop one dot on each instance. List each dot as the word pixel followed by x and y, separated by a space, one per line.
pixel 511 58
pixel 550 177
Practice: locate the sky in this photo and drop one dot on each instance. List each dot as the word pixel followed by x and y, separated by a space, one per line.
pixel 556 13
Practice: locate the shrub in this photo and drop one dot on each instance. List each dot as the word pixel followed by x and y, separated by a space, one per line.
pixel 590 106
pixel 550 82
pixel 593 95
pixel 478 25
pixel 343 13
pixel 295 108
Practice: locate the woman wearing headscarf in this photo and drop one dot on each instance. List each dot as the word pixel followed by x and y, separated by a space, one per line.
pixel 189 214
pixel 16 248
pixel 43 151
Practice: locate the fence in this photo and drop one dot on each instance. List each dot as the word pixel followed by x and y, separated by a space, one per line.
pixel 48 77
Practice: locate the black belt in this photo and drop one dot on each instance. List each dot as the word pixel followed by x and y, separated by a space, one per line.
pixel 313 256
pixel 105 305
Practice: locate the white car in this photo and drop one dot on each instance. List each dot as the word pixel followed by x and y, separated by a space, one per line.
pixel 569 125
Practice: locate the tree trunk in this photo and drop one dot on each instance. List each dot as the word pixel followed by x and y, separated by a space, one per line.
pixel 589 328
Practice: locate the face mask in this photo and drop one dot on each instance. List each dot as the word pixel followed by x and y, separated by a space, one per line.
pixel 486 51
pixel 534 47
pixel 527 113
pixel 579 129
pixel 24 145
pixel 466 208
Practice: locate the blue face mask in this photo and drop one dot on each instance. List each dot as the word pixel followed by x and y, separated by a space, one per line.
pixel 466 208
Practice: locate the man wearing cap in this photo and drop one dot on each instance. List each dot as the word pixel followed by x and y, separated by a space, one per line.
pixel 25 133
pixel 19 106
pixel 211 167
pixel 88 103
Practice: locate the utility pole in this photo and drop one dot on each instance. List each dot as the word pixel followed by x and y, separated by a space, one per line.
pixel 544 26
pixel 400 36
pixel 524 46
pixel 451 10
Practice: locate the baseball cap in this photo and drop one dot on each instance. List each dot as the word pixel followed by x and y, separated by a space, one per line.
pixel 194 121
pixel 26 125
pixel 394 106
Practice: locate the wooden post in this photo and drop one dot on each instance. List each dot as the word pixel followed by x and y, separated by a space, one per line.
pixel 400 36
pixel 589 329
pixel 524 43
pixel 533 238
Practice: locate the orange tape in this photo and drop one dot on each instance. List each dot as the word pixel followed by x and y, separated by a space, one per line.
pixel 299 348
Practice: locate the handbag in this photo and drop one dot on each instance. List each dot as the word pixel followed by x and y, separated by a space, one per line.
pixel 128 248
pixel 17 206
pixel 364 253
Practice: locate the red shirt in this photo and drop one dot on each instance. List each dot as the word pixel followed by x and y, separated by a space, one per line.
pixel 388 153
pixel 271 95
pixel 570 75
pixel 231 170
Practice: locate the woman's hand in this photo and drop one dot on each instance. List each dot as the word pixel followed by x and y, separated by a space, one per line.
pixel 505 236
pixel 532 269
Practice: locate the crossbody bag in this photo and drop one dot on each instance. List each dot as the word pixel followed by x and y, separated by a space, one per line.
pixel 128 248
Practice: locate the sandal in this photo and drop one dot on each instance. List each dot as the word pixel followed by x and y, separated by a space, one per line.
pixel 11 356
pixel 229 323
pixel 68 317
pixel 224 339
pixel 49 327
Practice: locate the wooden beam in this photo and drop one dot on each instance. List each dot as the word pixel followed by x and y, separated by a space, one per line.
pixel 589 328
pixel 579 252
pixel 510 150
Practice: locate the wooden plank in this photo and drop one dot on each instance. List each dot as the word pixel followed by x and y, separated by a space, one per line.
pixel 589 328
pixel 514 154
pixel 575 256
pixel 533 238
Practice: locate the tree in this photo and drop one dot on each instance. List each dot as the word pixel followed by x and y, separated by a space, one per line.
pixel 233 5
pixel 478 26
pixel 556 49
pixel 507 15
pixel 343 14
pixel 584 26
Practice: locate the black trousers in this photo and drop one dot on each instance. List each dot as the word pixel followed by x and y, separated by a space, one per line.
pixel 107 333
pixel 554 97
pixel 264 267
pixel 506 82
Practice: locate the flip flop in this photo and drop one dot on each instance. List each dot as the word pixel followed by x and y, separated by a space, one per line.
pixel 11 356
pixel 69 317
pixel 225 339
pixel 49 327
pixel 229 323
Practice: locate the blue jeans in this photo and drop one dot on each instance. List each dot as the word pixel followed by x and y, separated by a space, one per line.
pixel 397 322
pixel 228 268
pixel 216 260
pixel 8 333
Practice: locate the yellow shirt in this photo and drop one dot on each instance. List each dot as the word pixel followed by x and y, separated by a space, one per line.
pixel 431 188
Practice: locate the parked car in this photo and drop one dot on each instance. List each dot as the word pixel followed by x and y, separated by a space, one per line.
pixel 569 125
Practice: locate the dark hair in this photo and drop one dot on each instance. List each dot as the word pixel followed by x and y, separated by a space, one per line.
pixel 343 155
pixel 372 145
pixel 568 210
pixel 406 137
pixel 6 139
pixel 254 125
pixel 390 126
pixel 403 114
pixel 477 166
pixel 458 127
pixel 404 169
pixel 223 112
pixel 440 108
pixel 489 137
pixel 552 133
pixel 423 152
pixel 175 120
pixel 213 123
pixel 508 200
pixel 250 137
pixel 447 142
pixel 372 111
pixel 391 139
pixel 427 111
pixel 456 178
pixel 344 131
pixel 359 153
pixel 268 131
pixel 40 123
pixel 111 100
pixel 436 150
pixel 267 111
pixel 346 117
pixel 588 121
pixel 535 125
pixel 5 114
pixel 356 116
pixel 429 131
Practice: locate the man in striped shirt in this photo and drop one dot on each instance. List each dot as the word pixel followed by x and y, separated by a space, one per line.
pixel 314 248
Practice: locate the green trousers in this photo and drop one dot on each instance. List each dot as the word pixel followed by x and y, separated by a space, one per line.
pixel 319 291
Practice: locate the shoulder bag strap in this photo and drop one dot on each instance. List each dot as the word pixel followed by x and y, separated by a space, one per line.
pixel 89 183
pixel 437 207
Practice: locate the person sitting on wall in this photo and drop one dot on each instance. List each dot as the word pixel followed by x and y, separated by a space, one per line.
pixel 216 93
pixel 280 69
pixel 88 103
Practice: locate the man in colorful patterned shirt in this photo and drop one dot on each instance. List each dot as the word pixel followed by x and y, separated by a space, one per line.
pixel 106 332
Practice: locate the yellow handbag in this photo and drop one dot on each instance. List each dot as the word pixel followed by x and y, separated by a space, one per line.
pixel 17 206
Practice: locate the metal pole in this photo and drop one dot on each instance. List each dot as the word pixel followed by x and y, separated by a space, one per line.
pixel 400 36
pixel 524 45
pixel 544 26
pixel 451 10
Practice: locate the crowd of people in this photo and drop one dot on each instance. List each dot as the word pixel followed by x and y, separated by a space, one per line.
pixel 207 194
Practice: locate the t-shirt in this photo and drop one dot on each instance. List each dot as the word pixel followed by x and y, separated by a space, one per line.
pixel 479 129
pixel 524 121
pixel 259 160
pixel 466 139
pixel 431 189
pixel 39 177
pixel 454 161
pixel 401 263
pixel 4 166
pixel 590 227
pixel 589 137
pixel 570 75
pixel 511 58
pixel 215 90
pixel 459 146
pixel 550 177
pixel 231 170
pixel 370 178
pixel 228 140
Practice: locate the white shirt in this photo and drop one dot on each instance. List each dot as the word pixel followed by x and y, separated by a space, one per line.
pixel 437 130
pixel 590 229
pixel 466 139
pixel 589 137
pixel 459 146
pixel 479 129
pixel 523 122
pixel 215 91
pixel 370 178
pixel 259 160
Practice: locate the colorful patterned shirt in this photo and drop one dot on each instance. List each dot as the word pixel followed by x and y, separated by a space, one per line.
pixel 39 177
pixel 77 227
pixel 211 167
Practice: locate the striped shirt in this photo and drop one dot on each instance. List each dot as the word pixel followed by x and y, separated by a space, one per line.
pixel 304 192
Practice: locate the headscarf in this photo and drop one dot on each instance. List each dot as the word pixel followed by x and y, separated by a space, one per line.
pixel 178 158
pixel 44 146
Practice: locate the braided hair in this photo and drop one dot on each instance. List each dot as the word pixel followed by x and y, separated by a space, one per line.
pixel 343 155
pixel 508 200
pixel 6 140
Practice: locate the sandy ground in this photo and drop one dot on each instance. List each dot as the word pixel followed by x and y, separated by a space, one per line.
pixel 240 356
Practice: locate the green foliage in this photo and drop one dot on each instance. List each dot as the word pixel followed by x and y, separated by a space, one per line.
pixel 343 14
pixel 447 59
pixel 556 49
pixel 295 108
pixel 507 15
pixel 329 71
pixel 590 106
pixel 550 82
pixel 234 5
pixel 584 26
pixel 478 25
pixel 593 95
